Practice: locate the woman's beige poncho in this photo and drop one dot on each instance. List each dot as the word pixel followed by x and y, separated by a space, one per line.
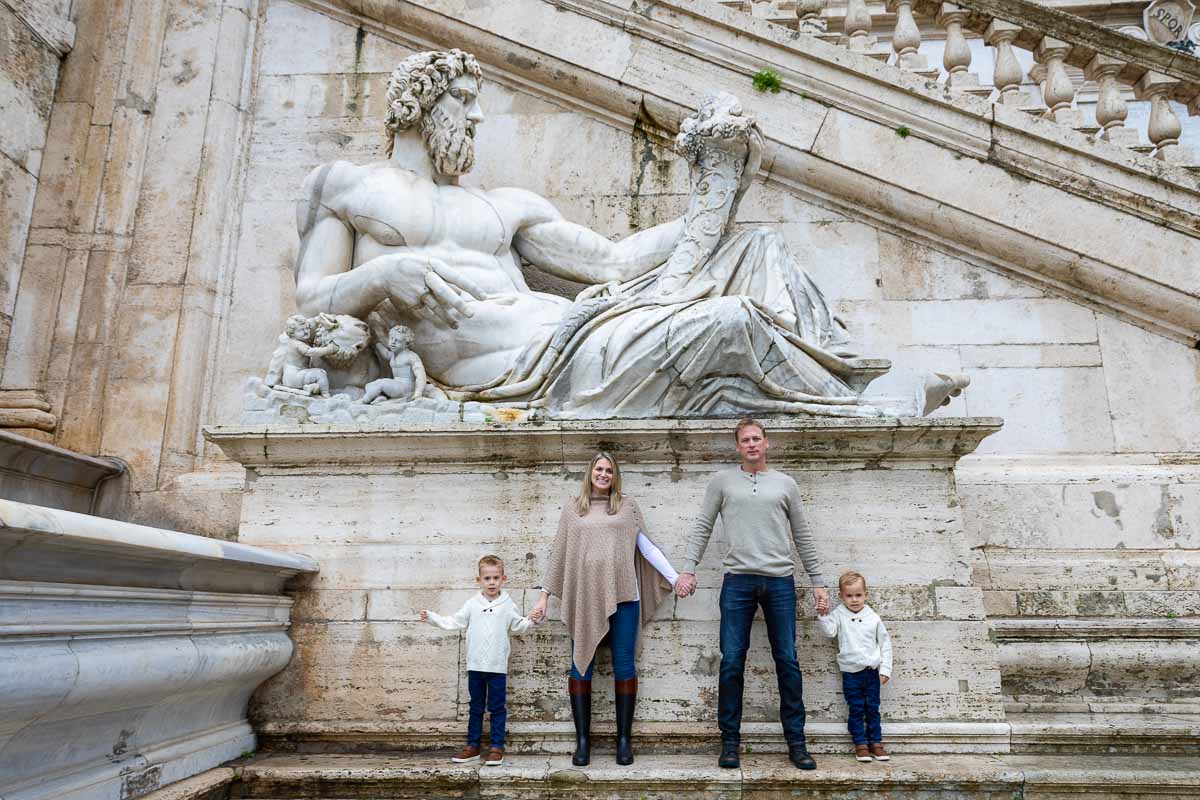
pixel 594 566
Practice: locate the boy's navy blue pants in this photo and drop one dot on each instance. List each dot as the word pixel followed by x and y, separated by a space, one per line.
pixel 862 700
pixel 487 690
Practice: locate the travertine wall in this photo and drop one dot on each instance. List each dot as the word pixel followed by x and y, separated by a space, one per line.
pixel 158 271
pixel 28 73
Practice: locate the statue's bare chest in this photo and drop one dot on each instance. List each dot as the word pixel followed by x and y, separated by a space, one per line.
pixel 393 210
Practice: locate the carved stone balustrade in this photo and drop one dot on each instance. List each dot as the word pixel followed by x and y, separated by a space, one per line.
pixel 1118 63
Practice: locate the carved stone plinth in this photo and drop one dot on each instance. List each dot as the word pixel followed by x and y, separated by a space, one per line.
pixel 398 517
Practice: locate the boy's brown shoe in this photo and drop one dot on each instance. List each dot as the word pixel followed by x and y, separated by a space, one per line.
pixel 495 757
pixel 468 755
pixel 878 753
pixel 861 753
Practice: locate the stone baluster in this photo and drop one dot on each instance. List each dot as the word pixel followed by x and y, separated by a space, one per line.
pixel 859 38
pixel 1111 109
pixel 1008 73
pixel 1165 127
pixel 811 16
pixel 906 39
pixel 1058 91
pixel 1035 106
pixel 957 56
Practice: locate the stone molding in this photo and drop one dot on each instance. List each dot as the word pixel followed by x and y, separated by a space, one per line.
pixel 128 654
pixel 44 544
pixel 40 473
pixel 794 442
pixel 1022 630
pixel 827 81
pixel 57 32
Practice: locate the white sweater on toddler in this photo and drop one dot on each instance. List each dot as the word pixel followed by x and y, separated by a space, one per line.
pixel 863 640
pixel 488 623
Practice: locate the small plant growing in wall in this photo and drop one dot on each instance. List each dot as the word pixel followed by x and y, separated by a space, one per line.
pixel 903 131
pixel 766 80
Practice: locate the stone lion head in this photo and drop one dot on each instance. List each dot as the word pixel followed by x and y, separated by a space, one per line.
pixel 349 334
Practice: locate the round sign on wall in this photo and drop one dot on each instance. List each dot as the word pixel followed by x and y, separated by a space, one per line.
pixel 1168 20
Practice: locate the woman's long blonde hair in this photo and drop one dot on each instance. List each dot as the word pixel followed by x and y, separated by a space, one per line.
pixel 584 502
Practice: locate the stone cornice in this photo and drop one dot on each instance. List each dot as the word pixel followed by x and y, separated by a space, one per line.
pixel 797 443
pixel 821 81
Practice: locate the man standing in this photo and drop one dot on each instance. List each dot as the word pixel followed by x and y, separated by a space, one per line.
pixel 760 509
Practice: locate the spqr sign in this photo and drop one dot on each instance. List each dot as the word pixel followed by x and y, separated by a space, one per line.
pixel 1168 20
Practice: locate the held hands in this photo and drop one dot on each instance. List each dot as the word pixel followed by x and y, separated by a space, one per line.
pixel 424 616
pixel 538 613
pixel 685 584
pixel 430 287
pixel 821 596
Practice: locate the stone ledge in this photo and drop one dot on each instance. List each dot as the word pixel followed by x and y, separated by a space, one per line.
pixel 656 737
pixel 822 443
pixel 48 545
pixel 424 776
pixel 1163 732
pixel 1018 630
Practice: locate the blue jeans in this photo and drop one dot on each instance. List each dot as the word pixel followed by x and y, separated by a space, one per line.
pixel 490 689
pixel 862 701
pixel 622 638
pixel 740 596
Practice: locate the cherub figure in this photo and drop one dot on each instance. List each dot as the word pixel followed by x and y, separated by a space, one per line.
pixel 408 372
pixel 290 367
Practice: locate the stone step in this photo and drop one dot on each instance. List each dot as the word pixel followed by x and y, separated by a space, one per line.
pixel 1164 731
pixel 682 777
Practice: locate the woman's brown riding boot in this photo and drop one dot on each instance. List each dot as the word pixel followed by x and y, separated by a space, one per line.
pixel 626 699
pixel 581 711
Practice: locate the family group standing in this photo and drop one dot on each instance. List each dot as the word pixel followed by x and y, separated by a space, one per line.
pixel 610 578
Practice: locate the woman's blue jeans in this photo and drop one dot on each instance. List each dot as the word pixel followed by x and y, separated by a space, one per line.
pixel 622 638
pixel 741 595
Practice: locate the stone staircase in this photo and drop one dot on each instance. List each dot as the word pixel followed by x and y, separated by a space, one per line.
pixel 682 777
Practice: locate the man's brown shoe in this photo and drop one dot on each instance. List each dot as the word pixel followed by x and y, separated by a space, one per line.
pixel 861 753
pixel 468 755
pixel 878 753
pixel 495 757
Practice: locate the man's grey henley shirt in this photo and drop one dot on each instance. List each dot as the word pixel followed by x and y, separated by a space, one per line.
pixel 759 511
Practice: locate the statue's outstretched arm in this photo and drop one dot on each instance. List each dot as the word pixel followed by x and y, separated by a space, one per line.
pixel 576 253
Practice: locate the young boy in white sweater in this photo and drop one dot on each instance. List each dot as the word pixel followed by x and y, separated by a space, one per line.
pixel 488 617
pixel 865 658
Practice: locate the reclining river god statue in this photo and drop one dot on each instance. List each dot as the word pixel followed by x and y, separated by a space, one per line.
pixel 693 317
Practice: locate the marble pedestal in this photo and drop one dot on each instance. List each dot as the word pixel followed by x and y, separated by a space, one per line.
pixel 398 517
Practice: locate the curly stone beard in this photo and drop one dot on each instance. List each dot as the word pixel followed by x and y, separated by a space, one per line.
pixel 451 144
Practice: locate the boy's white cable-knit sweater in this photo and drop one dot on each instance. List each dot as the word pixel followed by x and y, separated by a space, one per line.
pixel 488 623
pixel 863 640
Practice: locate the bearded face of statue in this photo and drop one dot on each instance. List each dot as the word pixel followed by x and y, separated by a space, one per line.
pixel 449 127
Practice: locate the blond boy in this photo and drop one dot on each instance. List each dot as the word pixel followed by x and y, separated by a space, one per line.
pixel 488 617
pixel 865 658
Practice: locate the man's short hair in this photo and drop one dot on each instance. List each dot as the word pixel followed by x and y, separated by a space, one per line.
pixel 490 561
pixel 746 423
pixel 419 80
pixel 849 578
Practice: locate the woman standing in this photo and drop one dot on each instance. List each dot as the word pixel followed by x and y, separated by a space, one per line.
pixel 609 578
